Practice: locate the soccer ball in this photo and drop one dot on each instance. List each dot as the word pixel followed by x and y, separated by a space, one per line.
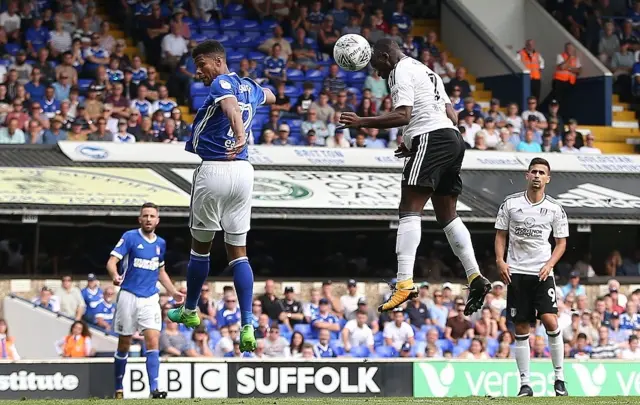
pixel 352 52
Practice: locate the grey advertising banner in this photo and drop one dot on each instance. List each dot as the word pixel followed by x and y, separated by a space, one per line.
pixel 583 196
pixel 39 381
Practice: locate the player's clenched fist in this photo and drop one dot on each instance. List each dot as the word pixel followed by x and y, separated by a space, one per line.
pixel 350 120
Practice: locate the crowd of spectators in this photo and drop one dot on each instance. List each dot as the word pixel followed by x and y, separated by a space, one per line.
pixel 67 78
pixel 328 324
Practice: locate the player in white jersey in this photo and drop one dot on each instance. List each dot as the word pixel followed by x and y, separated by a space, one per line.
pixel 433 149
pixel 528 218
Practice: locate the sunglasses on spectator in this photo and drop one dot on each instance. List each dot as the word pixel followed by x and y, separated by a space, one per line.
pixel 230 301
pixel 274 331
pixel 204 290
pixel 234 330
pixel 257 304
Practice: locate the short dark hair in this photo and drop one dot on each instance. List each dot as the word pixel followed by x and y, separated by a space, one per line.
pixel 539 161
pixel 150 205
pixel 208 47
pixel 582 336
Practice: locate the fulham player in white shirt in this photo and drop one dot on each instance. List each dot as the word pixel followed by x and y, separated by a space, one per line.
pixel 528 218
pixel 433 149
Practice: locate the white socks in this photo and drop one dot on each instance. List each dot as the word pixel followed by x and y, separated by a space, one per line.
pixel 556 346
pixel 407 241
pixel 460 240
pixel 523 357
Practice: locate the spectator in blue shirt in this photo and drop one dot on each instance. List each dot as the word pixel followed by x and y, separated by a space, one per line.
pixel 528 145
pixel 62 87
pixel 106 309
pixel 574 285
pixel 35 87
pixel 50 106
pixel 322 348
pixel 325 320
pixel 44 300
pixel 92 293
pixel 339 14
pixel 399 18
pixel 316 16
pixel 51 137
pixel 630 319
pixel 230 313
pixel 36 37
pixel 275 67
pixel 373 141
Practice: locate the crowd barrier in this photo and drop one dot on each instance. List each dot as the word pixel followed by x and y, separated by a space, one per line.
pixel 244 378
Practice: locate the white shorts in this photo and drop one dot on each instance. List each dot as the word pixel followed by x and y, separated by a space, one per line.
pixel 221 197
pixel 136 313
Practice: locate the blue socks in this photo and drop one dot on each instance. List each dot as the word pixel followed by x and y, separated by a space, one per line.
pixel 153 368
pixel 243 282
pixel 120 364
pixel 197 272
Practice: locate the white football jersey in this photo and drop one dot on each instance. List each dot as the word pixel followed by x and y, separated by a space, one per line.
pixel 414 84
pixel 530 226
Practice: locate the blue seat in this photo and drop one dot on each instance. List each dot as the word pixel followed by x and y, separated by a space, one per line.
pixel 293 124
pixel 341 74
pixel 199 89
pixel 235 11
pixel 257 56
pixel 360 351
pixel 444 345
pixel 188 20
pixel 295 75
pixel 305 329
pixel 325 63
pixel 211 25
pixel 355 91
pixel 235 57
pixel 457 351
pixel 311 42
pixel 199 37
pixel 311 341
pixel 315 75
pixel 386 351
pixel 464 343
pixel 12 49
pixel 421 336
pixel 84 84
pixel 250 25
pixel 230 25
pixel 356 79
pixel 5 62
pixel 268 26
pixel 378 339
pixel 244 41
pixel 295 91
pixel 492 346
pixel 289 40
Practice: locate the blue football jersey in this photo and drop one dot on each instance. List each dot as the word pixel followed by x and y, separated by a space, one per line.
pixel 227 317
pixel 323 351
pixel 331 318
pixel 105 311
pixel 212 134
pixel 140 260
pixel 139 75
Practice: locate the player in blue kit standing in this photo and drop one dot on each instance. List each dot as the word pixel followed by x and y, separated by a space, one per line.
pixel 136 265
pixel 222 185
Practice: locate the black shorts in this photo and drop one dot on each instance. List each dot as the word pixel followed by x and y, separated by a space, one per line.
pixel 435 162
pixel 528 298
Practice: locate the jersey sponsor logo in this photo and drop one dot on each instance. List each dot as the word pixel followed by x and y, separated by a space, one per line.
pixel 438 382
pixel 93 152
pixel 146 264
pixel 593 196
pixel 140 246
pixel 225 84
pixel 266 189
pixel 591 381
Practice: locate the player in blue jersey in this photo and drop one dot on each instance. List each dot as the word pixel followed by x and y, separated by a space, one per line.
pixel 136 265
pixel 222 185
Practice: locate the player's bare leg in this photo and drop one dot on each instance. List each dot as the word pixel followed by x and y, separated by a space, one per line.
pixel 197 272
pixel 523 358
pixel 460 241
pixel 243 282
pixel 412 202
pixel 556 347
pixel 120 363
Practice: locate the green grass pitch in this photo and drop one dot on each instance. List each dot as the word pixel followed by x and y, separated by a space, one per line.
pixel 346 401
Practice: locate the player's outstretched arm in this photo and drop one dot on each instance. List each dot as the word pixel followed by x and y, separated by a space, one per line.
pixel 393 119
pixel 269 97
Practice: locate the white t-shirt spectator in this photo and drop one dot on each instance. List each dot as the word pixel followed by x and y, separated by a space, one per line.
pixel 349 303
pixel 569 149
pixel 279 348
pixel 444 70
pixel 590 150
pixel 174 45
pixel 627 354
pixel 540 116
pixel 359 336
pixel 10 23
pixel 398 335
pixel 470 133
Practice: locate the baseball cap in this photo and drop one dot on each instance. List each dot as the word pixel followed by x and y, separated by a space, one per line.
pixel 324 301
pixel 447 285
pixel 613 289
pixel 91 277
pixel 351 283
pixel 288 290
pixel 398 309
pixel 362 301
pixel 574 274
pixel 532 118
pixel 424 285
pixel 284 128
pixel 328 282
pixel 488 119
pixel 615 315
pixel 406 347
pixel 497 284
pixel 554 102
